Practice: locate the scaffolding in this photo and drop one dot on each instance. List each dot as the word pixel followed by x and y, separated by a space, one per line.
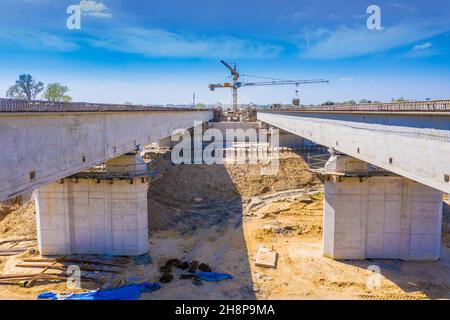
pixel 104 171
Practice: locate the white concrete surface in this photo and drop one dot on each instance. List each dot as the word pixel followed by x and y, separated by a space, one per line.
pixel 381 217
pixel 413 145
pixel 86 216
pixel 286 139
pixel 290 140
pixel 234 133
pixel 345 164
pixel 126 163
pixel 41 147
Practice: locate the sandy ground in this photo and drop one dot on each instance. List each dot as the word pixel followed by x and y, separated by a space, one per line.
pixel 220 216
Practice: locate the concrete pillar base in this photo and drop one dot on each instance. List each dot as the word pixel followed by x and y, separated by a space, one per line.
pixel 381 217
pixel 93 216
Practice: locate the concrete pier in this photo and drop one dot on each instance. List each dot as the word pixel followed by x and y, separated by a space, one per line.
pixel 102 215
pixel 385 217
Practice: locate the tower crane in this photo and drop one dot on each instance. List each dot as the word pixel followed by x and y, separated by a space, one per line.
pixel 236 84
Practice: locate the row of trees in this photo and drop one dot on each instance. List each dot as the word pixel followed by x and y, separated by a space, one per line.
pixel 27 88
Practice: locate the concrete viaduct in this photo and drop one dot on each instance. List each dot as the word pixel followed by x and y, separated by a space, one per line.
pixel 371 213
pixel 42 142
pixel 395 213
pixel 105 212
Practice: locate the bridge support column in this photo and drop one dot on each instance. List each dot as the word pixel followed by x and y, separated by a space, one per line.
pixel 384 217
pixel 100 215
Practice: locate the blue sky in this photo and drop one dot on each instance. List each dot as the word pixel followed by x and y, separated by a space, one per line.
pixel 161 51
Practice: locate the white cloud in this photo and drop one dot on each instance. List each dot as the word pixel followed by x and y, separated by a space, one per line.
pixel 422 51
pixel 424 46
pixel 94 9
pixel 346 42
pixel 162 43
pixel 36 40
pixel 346 79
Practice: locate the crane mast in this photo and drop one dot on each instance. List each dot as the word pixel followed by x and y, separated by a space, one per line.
pixel 235 85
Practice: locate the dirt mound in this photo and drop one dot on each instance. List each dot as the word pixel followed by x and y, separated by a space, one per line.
pixel 292 173
pixel 20 221
pixel 205 194
pixel 6 209
pixel 189 192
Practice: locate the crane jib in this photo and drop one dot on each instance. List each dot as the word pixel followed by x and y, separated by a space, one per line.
pixel 237 84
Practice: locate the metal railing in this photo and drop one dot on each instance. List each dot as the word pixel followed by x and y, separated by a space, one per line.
pixel 14 105
pixel 104 171
pixel 317 161
pixel 407 106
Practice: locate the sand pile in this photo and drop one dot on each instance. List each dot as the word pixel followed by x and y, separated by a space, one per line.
pixel 292 174
pixel 18 221
pixel 220 188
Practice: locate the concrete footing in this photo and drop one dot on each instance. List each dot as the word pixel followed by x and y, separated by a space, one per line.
pixel 385 217
pixel 93 216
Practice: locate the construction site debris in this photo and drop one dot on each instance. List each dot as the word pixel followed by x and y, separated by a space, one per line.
pixel 166 278
pixel 11 252
pixel 165 269
pixel 266 257
pixel 16 240
pixel 76 260
pixel 63 267
pixel 224 228
pixel 204 267
pixel 143 260
pixel 193 266
pixel 174 263
pixel 25 280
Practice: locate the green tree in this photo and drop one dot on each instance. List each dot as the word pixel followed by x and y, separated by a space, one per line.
pixel 26 88
pixel 200 106
pixel 56 92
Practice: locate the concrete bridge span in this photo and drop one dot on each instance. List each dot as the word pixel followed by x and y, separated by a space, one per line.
pixel 42 142
pixel 413 141
pixel 378 215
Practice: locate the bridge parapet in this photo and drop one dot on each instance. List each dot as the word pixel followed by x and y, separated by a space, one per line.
pixel 14 105
pixel 407 106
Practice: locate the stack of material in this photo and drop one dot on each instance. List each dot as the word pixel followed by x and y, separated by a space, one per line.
pixel 50 267
pixel 12 250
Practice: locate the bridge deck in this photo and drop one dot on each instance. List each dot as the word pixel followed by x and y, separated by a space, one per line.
pixel 410 139
pixel 42 142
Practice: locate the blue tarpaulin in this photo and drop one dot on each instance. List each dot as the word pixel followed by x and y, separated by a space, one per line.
pixel 130 292
pixel 213 276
